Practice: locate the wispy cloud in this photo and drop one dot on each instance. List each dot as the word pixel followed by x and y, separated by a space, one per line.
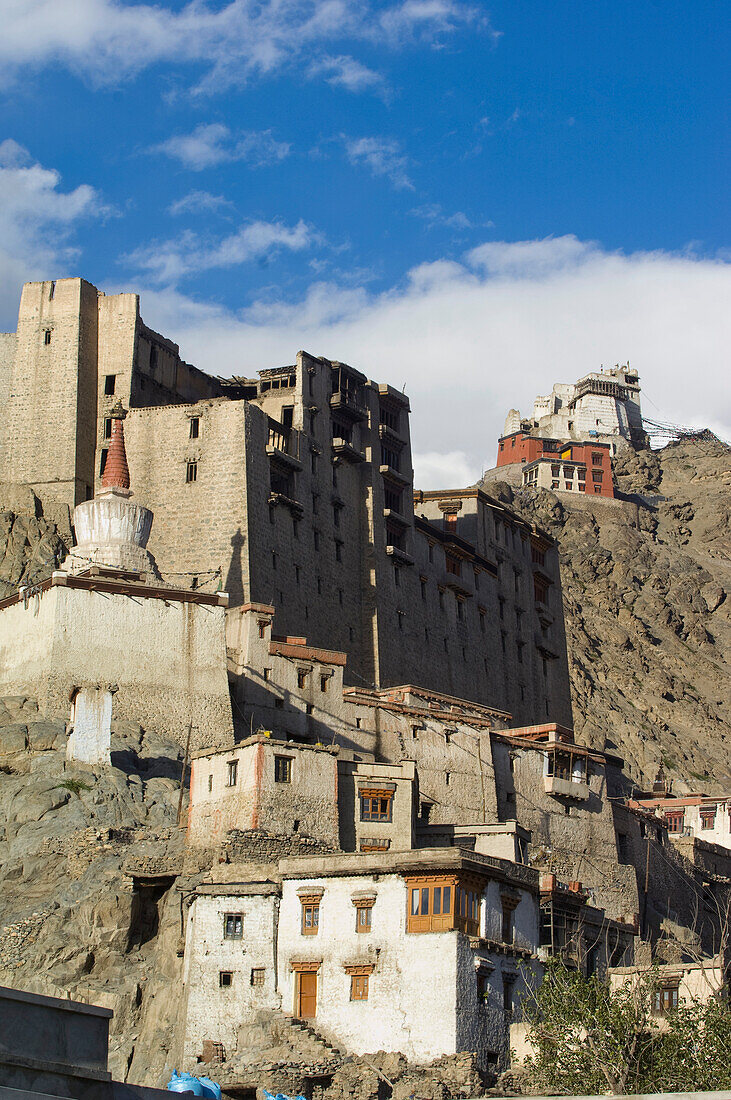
pixel 213 143
pixel 345 72
pixel 382 157
pixel 37 220
pixel 167 262
pixel 196 201
pixel 109 41
pixel 433 214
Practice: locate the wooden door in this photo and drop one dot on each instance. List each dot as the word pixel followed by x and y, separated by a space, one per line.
pixel 306 994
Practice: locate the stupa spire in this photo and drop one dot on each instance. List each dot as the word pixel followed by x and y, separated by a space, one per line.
pixel 116 470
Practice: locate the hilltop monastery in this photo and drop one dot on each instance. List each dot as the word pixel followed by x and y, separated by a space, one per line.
pixel 390 823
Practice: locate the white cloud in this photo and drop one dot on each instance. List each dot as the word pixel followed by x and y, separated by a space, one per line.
pixel 345 72
pixel 108 41
pixel 433 214
pixel 195 201
pixel 382 156
pixel 213 143
pixel 471 340
pixel 169 261
pixel 37 219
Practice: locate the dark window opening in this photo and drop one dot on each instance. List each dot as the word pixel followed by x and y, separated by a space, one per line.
pixel 110 382
pixel 195 427
pixel 191 472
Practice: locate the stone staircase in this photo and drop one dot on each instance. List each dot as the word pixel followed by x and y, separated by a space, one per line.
pixel 310 1041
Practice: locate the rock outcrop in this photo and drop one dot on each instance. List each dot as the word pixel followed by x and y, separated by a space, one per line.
pixel 647 601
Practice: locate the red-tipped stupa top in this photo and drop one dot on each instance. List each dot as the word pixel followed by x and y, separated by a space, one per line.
pixel 116 470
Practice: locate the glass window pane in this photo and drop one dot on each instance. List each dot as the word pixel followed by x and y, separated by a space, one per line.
pixel 424 901
pixel 414 902
pixel 447 899
pixel 437 900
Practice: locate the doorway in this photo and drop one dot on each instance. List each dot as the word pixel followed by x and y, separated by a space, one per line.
pixel 306 994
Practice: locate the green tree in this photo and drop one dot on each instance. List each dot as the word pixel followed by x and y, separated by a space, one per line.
pixel 589 1038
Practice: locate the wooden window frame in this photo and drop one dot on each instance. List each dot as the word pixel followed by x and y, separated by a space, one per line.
pixel 258 976
pixel 232 773
pixel 425 903
pixel 235 935
pixel 310 921
pixel 359 980
pixel 363 914
pixel 283 764
pixel 666 998
pixel 376 804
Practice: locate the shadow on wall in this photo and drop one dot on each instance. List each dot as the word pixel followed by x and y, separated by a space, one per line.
pixel 235 577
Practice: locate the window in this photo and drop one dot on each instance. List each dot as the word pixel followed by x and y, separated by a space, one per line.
pixel 454 565
pixel 509 904
pixel 359 987
pixel 508 987
pixel 708 818
pixel 666 999
pixel 323 683
pixel 302 674
pixel 47 337
pixel 191 472
pixel 282 769
pixel 225 979
pixel 103 460
pixel 389 417
pixel 675 820
pixel 107 427
pixel 597 476
pixel 596 459
pixel 233 926
pixel 195 427
pixel 233 768
pixel 110 381
pixel 422 582
pixel 442 903
pixel 374 844
pixel 376 805
pixel 310 915
pixel 257 975
pixel 363 916
pixel 210 782
pixel 391 458
pixel 538 557
pixel 540 591
pixel 338 551
pixel 483 616
pixel 392 499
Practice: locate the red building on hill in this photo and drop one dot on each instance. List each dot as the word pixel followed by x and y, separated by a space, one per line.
pixel 564 467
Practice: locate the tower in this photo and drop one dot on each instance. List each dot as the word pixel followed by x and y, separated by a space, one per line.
pixel 49 436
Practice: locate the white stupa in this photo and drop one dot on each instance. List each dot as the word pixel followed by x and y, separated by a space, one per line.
pixel 111 530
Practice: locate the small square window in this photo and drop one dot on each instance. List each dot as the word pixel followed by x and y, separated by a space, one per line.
pixel 195 427
pixel 375 806
pixel 225 979
pixel 257 975
pixel 110 382
pixel 282 769
pixel 233 926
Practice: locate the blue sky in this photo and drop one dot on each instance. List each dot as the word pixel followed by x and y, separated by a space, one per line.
pixel 471 200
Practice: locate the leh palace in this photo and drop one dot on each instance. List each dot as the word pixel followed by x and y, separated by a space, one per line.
pixel 385 823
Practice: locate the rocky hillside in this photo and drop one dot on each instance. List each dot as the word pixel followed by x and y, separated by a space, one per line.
pixel 78 917
pixel 647 601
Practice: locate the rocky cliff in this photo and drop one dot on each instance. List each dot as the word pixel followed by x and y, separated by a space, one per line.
pixel 646 582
